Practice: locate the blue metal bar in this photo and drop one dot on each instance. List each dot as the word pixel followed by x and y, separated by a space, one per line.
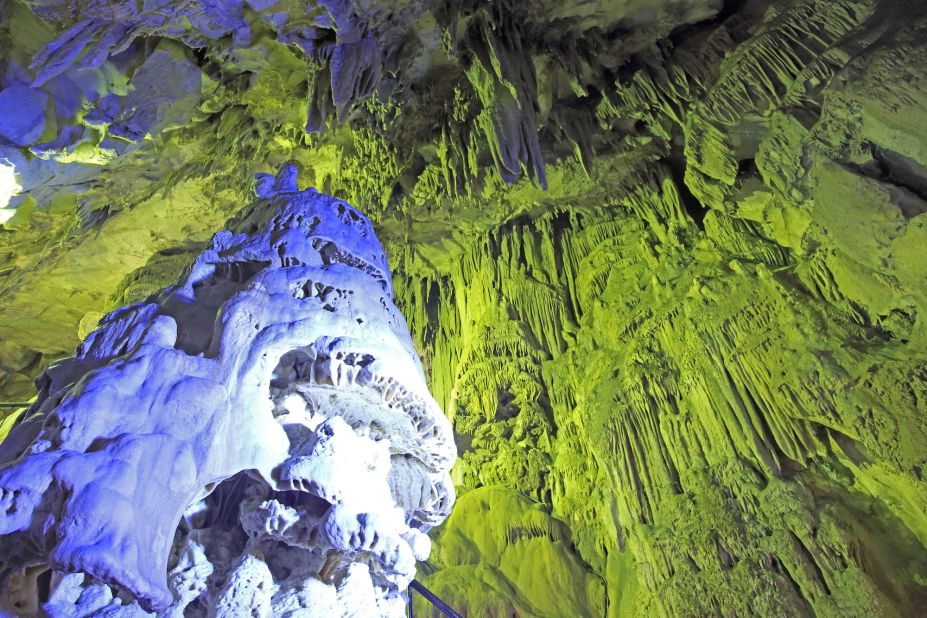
pixel 428 594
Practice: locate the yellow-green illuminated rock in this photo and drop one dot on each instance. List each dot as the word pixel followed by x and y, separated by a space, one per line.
pixel 688 378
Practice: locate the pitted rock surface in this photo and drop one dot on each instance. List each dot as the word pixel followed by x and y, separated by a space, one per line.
pixel 271 402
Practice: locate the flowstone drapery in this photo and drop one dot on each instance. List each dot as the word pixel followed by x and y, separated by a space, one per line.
pixel 271 403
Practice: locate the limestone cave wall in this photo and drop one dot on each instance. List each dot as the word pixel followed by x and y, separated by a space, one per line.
pixel 664 262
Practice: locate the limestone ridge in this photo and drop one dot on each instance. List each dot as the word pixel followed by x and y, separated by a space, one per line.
pixel 271 402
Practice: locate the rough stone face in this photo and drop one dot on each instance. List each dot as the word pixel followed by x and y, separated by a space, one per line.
pixel 271 402
pixel 691 372
pixel 24 119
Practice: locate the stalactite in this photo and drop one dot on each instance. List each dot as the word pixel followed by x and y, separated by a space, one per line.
pixel 686 378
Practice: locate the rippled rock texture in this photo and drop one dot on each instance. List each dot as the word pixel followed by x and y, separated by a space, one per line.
pixel 271 402
pixel 685 378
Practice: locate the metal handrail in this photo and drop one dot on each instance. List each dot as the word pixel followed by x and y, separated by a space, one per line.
pixel 443 607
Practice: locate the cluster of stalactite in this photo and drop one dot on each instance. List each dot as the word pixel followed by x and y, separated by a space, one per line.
pixel 686 378
pixel 716 431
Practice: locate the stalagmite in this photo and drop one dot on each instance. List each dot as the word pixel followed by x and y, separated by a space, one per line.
pixel 257 440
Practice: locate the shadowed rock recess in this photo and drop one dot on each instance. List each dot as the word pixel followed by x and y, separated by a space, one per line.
pixel 664 263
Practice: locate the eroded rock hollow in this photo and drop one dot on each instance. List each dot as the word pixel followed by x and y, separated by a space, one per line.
pixel 271 402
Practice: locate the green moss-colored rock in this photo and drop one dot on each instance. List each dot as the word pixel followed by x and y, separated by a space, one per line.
pixel 688 378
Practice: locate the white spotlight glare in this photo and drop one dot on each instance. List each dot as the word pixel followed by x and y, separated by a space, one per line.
pixel 8 188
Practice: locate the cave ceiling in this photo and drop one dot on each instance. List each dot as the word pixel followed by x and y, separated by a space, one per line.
pixel 422 113
pixel 663 260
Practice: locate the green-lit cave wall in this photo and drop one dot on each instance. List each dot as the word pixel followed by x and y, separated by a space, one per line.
pixel 689 377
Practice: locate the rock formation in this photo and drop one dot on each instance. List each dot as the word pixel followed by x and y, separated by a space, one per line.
pixel 270 402
pixel 685 378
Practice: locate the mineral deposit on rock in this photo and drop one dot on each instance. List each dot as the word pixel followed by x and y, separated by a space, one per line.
pixel 271 403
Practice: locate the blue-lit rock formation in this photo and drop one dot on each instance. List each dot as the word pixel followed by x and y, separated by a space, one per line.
pixel 271 403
